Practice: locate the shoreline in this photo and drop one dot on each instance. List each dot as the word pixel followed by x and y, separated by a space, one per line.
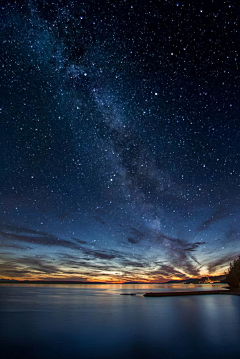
pixel 190 293
pixel 187 293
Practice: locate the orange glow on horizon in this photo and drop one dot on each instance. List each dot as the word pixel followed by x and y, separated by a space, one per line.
pixel 111 276
pixel 108 279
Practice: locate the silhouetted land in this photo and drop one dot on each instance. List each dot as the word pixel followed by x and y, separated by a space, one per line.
pixel 202 292
pixel 180 294
pixel 203 280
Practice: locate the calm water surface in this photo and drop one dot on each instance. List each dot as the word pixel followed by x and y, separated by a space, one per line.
pixel 95 321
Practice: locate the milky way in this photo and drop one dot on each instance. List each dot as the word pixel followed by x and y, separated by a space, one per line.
pixel 120 139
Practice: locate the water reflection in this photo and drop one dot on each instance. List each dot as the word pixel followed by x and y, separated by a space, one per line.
pixel 97 322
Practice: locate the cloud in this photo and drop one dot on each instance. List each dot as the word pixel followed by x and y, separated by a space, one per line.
pixel 215 217
pixel 178 253
pixel 178 244
pixel 79 240
pixel 192 247
pixel 232 235
pixel 221 262
pixel 132 240
pixel 105 255
pixel 166 271
pixel 39 266
pixel 132 263
pixel 26 235
pixel 14 246
pixel 137 235
pixel 27 265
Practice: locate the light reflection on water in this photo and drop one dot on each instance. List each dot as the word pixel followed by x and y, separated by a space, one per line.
pixel 95 321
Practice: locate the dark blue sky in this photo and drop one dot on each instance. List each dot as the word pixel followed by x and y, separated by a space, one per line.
pixel 120 139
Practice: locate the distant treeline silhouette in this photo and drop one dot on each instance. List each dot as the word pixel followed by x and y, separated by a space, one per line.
pixel 233 275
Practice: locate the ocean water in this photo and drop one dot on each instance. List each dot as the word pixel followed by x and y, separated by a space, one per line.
pixel 95 321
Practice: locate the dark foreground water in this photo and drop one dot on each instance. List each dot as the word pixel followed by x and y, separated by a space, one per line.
pixel 94 321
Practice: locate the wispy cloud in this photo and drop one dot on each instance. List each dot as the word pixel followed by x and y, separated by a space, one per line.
pixel 221 262
pixel 221 213
pixel 26 235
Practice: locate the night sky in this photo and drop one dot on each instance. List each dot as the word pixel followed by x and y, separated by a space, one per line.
pixel 120 139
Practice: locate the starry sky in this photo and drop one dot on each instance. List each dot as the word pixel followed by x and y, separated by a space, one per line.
pixel 120 139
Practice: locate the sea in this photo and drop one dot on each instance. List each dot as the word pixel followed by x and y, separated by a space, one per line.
pixel 96 321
